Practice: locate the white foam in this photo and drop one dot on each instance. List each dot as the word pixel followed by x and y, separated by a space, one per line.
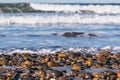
pixel 45 51
pixel 23 51
pixel 107 48
pixel 55 19
pixel 117 48
pixel 102 9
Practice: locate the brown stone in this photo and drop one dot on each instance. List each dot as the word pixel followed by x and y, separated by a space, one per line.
pixel 88 62
pixel 52 64
pixel 2 63
pixel 62 55
pixel 41 73
pixel 47 58
pixel 26 55
pixel 76 67
pixel 95 78
pixel 118 74
pixel 39 67
pixel 27 63
pixel 2 58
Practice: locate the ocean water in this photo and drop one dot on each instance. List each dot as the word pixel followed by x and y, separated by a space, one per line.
pixel 43 25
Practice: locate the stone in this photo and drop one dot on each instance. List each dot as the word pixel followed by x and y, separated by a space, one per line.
pixel 118 74
pixel 52 64
pixel 27 63
pixel 76 67
pixel 72 34
pixel 88 62
pixel 62 55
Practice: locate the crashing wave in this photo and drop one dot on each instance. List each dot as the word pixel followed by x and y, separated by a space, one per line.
pixel 58 8
pixel 101 9
pixel 57 19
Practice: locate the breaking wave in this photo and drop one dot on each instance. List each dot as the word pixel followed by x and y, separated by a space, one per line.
pixel 56 8
pixel 57 19
pixel 101 9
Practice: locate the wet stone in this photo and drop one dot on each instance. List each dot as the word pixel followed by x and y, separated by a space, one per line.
pixel 60 66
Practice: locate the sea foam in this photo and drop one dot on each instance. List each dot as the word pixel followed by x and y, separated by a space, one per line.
pixel 45 51
pixel 101 9
pixel 59 19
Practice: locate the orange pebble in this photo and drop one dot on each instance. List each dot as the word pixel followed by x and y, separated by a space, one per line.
pixel 62 55
pixel 118 74
pixel 89 62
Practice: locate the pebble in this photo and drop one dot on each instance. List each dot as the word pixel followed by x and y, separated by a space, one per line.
pixel 28 66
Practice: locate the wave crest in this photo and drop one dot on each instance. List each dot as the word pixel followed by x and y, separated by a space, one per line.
pixel 56 19
pixel 101 9
pixel 58 8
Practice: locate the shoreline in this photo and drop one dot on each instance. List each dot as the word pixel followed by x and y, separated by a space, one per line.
pixel 56 49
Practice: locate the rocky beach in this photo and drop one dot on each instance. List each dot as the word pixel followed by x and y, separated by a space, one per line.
pixel 59 41
pixel 60 65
